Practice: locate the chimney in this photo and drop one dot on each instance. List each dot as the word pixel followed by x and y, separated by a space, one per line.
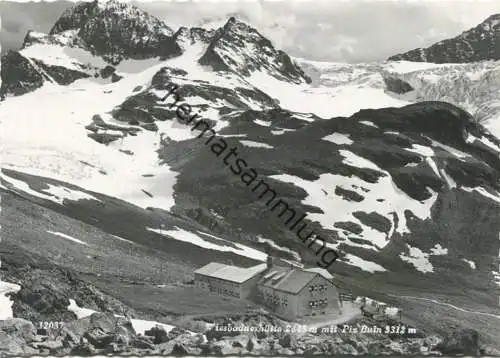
pixel 269 261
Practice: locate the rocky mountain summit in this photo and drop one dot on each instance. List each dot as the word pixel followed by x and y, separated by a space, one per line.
pixel 240 48
pixel 116 30
pixel 477 44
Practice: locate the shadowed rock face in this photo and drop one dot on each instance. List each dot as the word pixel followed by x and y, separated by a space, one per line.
pixel 397 85
pixel 75 17
pixel 477 44
pixel 19 76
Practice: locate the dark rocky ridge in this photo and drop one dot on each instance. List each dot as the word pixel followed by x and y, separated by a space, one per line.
pixel 397 85
pixel 477 44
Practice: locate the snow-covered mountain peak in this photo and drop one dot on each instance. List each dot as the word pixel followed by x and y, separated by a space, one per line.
pixel 238 47
pixel 117 30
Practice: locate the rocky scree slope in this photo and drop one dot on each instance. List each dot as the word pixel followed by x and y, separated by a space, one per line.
pixel 477 44
pixel 103 333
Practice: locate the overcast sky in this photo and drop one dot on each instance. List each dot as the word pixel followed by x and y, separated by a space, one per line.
pixel 334 30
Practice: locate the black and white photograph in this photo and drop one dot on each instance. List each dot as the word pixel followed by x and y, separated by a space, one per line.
pixel 250 178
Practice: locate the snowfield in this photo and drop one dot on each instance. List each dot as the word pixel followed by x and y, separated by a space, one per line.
pixel 225 245
pixel 42 134
pixel 5 302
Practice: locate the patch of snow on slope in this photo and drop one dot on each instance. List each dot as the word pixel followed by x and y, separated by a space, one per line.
pixel 253 144
pixel 490 144
pixel 496 278
pixel 139 325
pixel 56 194
pixel 338 138
pixel 73 58
pixel 188 61
pixel 124 240
pixel 80 312
pixel 336 209
pixel 281 131
pixel 449 180
pixel 438 250
pixel 260 122
pixel 5 302
pixel 418 259
pixel 363 264
pixel 271 243
pixel 67 237
pixel 391 311
pixel 483 192
pixel 356 161
pixel 421 149
pixel 368 123
pixel 471 263
pixel 227 246
pixel 62 193
pixel 457 153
